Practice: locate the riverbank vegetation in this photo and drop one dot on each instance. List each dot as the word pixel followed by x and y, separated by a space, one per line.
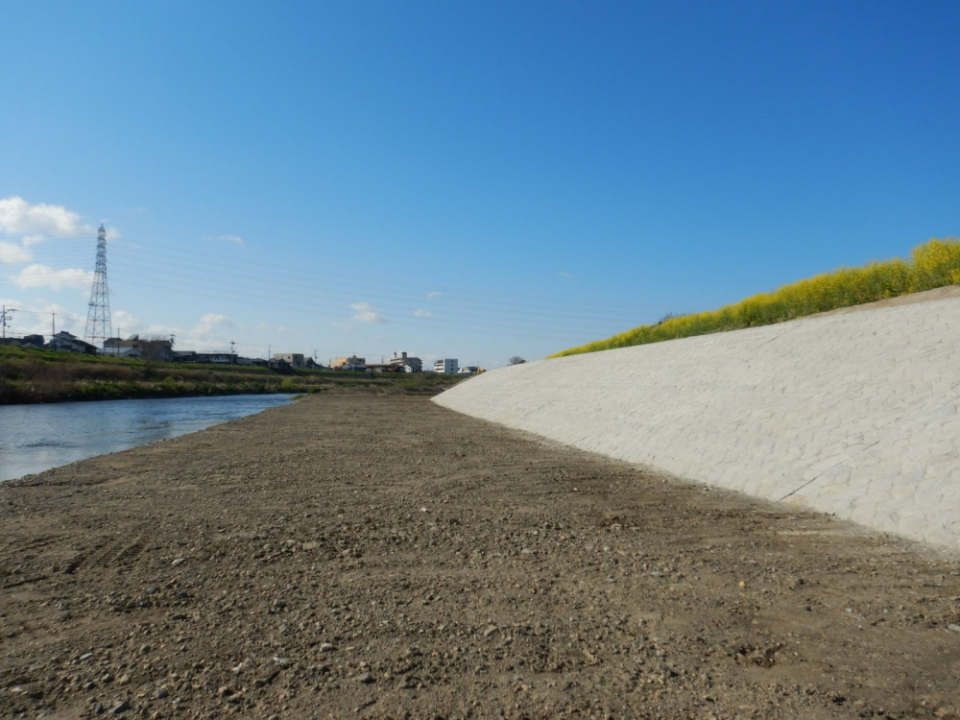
pixel 34 376
pixel 934 264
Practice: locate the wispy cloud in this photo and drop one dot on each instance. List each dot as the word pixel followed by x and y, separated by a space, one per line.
pixel 565 274
pixel 423 313
pixel 279 328
pixel 434 294
pixel 366 313
pixel 43 276
pixel 235 239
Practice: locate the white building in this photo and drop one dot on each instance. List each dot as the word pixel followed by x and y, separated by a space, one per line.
pixel 447 367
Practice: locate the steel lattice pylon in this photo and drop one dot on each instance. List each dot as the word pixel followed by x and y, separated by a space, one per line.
pixel 98 313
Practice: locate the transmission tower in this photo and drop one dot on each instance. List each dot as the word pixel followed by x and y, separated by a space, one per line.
pixel 98 313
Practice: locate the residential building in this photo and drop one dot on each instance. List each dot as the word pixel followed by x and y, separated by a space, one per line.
pixel 67 342
pixel 217 358
pixel 405 363
pixel 447 366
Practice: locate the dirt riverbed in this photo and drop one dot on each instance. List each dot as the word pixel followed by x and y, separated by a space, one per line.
pixel 361 555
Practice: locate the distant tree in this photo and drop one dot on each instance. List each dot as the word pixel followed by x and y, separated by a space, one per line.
pixel 517 360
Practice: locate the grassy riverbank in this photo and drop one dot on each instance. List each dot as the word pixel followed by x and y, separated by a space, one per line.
pixel 932 265
pixel 35 376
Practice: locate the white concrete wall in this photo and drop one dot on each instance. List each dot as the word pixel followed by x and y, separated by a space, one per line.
pixel 853 414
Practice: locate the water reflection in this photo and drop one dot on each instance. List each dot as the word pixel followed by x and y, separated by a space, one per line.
pixel 34 438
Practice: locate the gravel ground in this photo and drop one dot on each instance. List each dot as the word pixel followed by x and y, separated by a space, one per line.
pixel 375 556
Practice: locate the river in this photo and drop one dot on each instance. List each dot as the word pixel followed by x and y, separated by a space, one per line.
pixel 34 438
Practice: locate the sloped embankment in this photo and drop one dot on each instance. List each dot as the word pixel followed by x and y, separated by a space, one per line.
pixel 853 414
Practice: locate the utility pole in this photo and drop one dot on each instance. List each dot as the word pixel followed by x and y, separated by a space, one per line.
pixel 98 312
pixel 232 351
pixel 5 317
pixel 53 324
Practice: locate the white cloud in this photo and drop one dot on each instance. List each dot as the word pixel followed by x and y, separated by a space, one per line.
pixel 434 294
pixel 126 323
pixel 12 253
pixel 38 319
pixel 211 323
pixel 18 217
pixel 423 313
pixel 565 274
pixel 366 313
pixel 43 276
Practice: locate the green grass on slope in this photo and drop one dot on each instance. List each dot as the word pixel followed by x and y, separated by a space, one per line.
pixel 934 264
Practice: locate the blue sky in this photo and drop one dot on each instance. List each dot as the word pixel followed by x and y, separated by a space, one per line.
pixel 469 180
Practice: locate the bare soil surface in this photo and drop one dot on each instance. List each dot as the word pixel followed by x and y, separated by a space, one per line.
pixel 361 555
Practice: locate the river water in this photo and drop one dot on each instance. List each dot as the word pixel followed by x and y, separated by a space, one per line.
pixel 34 438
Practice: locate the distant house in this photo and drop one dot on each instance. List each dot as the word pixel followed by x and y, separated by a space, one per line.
pixel 349 363
pixel 189 356
pixel 295 359
pixel 280 365
pixel 134 347
pixel 67 342
pixel 33 341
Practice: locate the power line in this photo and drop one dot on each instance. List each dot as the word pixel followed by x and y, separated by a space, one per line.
pixel 277 287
